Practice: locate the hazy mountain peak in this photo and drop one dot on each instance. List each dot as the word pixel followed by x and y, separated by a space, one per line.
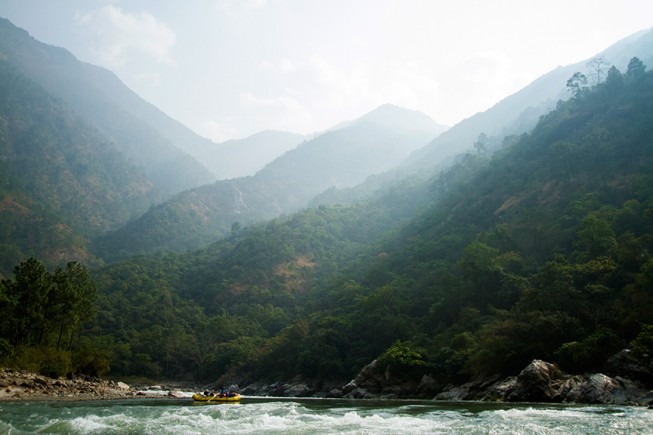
pixel 396 117
pixel 242 157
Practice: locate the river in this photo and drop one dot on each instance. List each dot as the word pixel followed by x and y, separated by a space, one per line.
pixel 303 416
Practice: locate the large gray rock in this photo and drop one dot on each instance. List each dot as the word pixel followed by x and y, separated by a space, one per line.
pixel 541 381
pixel 599 388
pixel 538 382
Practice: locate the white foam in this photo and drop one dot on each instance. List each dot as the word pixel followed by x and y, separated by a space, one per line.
pixel 285 416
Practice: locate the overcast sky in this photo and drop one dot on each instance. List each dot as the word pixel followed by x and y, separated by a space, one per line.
pixel 230 68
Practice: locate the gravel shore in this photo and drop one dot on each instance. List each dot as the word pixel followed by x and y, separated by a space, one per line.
pixel 21 385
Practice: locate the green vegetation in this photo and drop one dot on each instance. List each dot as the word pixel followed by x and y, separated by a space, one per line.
pixel 541 251
pixel 41 314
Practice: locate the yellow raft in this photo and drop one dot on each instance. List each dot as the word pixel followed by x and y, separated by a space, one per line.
pixel 217 398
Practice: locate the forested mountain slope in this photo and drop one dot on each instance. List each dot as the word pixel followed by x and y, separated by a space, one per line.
pixel 342 157
pixel 145 135
pixel 512 116
pixel 61 183
pixel 542 251
pixel 519 112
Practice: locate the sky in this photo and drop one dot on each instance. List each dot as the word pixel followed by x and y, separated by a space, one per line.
pixel 230 68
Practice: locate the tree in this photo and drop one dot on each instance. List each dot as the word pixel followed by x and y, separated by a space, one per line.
pixel 71 300
pixel 614 80
pixel 598 66
pixel 635 69
pixel 27 301
pixel 577 84
pixel 480 146
pixel 38 303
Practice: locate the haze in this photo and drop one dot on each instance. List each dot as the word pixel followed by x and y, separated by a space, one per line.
pixel 228 69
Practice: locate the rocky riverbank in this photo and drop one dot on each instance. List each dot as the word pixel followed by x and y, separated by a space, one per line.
pixel 540 381
pixel 626 380
pixel 22 385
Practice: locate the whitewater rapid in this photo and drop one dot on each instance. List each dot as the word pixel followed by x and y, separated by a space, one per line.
pixel 303 416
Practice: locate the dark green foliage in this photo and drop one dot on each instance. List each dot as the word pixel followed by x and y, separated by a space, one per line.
pixel 642 345
pixel 41 314
pixel 39 308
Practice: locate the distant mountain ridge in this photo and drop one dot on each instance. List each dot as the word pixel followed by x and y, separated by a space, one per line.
pixel 145 135
pixel 344 157
pixel 519 112
pixel 244 157
pixel 514 115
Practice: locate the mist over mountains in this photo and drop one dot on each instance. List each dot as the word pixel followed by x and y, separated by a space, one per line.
pixel 342 157
pixel 286 172
pixel 244 157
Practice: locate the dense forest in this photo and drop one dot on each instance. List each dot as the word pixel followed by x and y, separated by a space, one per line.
pixel 540 250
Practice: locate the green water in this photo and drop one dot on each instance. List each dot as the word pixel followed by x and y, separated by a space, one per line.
pixel 289 416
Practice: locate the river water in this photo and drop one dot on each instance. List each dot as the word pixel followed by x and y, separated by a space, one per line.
pixel 303 416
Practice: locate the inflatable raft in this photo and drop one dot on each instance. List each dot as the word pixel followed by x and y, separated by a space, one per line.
pixel 217 398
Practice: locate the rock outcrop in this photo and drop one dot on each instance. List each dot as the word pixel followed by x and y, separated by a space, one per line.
pixel 541 381
pixel 385 381
pixel 627 365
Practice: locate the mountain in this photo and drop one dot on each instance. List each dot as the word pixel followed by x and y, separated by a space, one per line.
pixel 542 250
pixel 519 112
pixel 339 158
pixel 145 135
pixel 244 157
pixel 61 182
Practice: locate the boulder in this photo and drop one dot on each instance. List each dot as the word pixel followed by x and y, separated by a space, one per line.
pixel 359 393
pixel 599 388
pixel 384 380
pixel 536 383
pixel 454 392
pixel 349 387
pixel 297 390
pixel 500 390
pixel 176 394
pixel 628 364
pixel 372 377
pixel 334 393
pixel 475 390
pixel 427 386
pixel 646 400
